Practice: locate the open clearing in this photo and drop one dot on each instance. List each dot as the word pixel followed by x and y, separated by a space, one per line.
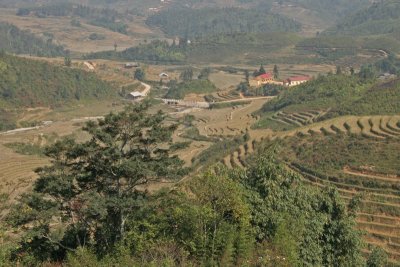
pixel 77 39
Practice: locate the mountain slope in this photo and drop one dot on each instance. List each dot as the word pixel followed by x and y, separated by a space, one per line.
pixel 380 18
pixel 17 41
pixel 29 83
pixel 328 97
pixel 207 21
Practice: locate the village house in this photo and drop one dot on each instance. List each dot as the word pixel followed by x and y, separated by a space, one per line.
pixel 164 78
pixel 296 80
pixel 135 95
pixel 131 65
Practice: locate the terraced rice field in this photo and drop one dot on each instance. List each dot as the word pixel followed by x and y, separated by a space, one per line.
pixel 16 171
pixel 299 118
pixel 380 208
pixel 228 121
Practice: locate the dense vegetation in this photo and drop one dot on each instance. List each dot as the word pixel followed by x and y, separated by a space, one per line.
pixel 328 155
pixel 179 90
pixel 32 83
pixel 190 23
pixel 87 208
pixel 380 18
pixel 14 40
pixel 158 51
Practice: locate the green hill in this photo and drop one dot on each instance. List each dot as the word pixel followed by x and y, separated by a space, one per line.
pixel 17 41
pixel 379 18
pixel 31 83
pixel 332 96
pixel 210 21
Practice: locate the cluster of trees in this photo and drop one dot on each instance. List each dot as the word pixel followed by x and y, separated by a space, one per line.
pixel 201 85
pixel 210 21
pixel 180 90
pixel 88 208
pixel 106 18
pixel 30 83
pixel 14 40
pixel 155 51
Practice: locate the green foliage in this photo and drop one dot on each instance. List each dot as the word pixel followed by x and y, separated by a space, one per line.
pixel 193 133
pixel 158 51
pixel 187 75
pixel 67 61
pixel 380 18
pixel 207 217
pixel 92 187
pixel 204 74
pixel 26 149
pixel 30 83
pixel 217 151
pixel 14 40
pixel 190 23
pixel 341 95
pixel 315 226
pixel 180 90
pixel 377 258
pixel 110 24
pixel 139 74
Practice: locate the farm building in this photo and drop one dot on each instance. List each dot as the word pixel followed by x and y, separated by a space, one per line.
pixel 296 80
pixel 163 75
pixel 263 79
pixel 131 65
pixel 135 95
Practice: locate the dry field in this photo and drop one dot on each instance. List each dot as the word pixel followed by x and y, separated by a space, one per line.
pixel 77 39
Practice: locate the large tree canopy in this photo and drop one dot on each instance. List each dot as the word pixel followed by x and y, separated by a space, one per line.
pixel 86 194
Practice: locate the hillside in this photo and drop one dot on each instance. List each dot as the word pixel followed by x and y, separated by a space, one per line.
pixel 331 96
pixel 380 18
pixel 14 40
pixel 190 23
pixel 29 83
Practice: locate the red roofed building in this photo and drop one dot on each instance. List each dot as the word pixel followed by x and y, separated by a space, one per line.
pixel 267 78
pixel 296 80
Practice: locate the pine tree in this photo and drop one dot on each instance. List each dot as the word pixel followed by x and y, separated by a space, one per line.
pixel 90 189
pixel 276 72
pixel 261 71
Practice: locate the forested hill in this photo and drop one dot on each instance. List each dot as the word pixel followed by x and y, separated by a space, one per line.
pixel 201 22
pixel 30 83
pixel 379 18
pixel 17 41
